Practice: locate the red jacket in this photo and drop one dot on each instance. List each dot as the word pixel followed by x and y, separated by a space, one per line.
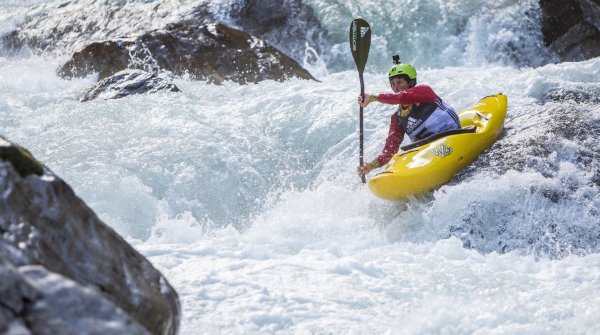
pixel 415 95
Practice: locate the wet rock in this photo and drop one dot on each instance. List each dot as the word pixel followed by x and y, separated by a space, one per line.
pixel 558 17
pixel 579 43
pixel 36 301
pixel 590 94
pixel 16 293
pixel 212 52
pixel 57 257
pixel 20 158
pixel 105 58
pixel 289 25
pixel 572 28
pixel 555 133
pixel 508 233
pixel 129 82
pixel 556 141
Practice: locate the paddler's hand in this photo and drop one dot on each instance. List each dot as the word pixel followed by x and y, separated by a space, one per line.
pixel 363 100
pixel 364 169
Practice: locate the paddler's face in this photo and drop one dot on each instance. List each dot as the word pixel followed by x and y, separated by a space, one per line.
pixel 399 84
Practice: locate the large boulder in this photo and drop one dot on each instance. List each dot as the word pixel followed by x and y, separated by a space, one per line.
pixel 212 52
pixel 62 269
pixel 571 28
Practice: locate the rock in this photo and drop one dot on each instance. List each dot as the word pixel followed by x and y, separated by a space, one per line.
pixel 572 28
pixel 212 52
pixel 16 293
pixel 558 17
pixel 583 94
pixel 37 301
pixel 557 140
pixel 289 25
pixel 128 82
pixel 76 260
pixel 20 158
pixel 104 58
pixel 579 43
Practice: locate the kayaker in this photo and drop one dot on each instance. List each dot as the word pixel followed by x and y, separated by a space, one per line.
pixel 420 113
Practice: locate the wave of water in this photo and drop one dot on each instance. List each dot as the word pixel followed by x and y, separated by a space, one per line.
pixel 176 172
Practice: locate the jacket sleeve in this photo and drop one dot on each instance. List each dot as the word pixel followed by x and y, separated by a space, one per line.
pixel 392 143
pixel 417 94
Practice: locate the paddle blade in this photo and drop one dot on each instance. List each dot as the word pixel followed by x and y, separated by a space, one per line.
pixel 360 42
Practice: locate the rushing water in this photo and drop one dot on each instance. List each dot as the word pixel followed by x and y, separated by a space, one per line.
pixel 246 197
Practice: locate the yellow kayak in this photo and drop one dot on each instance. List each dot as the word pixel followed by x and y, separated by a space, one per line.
pixel 424 165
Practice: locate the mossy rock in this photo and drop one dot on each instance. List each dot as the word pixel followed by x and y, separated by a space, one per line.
pixel 20 158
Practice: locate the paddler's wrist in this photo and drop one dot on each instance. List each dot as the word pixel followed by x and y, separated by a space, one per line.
pixel 372 98
pixel 374 164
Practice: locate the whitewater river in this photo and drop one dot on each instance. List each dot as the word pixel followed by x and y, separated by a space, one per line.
pixel 247 200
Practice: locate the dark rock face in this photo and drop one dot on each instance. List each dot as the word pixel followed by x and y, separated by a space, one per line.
pixel 572 28
pixel 558 18
pixel 209 52
pixel 36 301
pixel 64 269
pixel 289 25
pixel 128 82
pixel 579 43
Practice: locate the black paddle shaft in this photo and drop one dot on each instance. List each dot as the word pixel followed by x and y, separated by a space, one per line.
pixel 360 42
pixel 361 128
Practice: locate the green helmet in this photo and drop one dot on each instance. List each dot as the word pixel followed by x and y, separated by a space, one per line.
pixel 403 69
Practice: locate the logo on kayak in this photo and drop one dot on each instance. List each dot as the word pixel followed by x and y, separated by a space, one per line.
pixel 442 150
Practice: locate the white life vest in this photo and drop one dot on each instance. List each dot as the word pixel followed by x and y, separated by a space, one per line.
pixel 429 118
